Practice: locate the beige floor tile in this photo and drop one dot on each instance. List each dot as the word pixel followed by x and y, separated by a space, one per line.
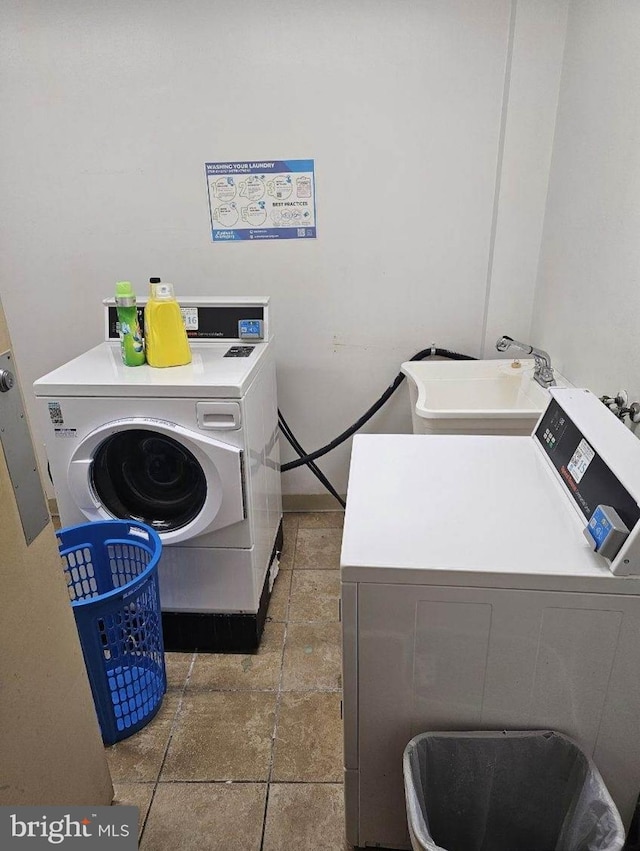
pixel 312 657
pixel 229 671
pixel 290 520
pixel 205 817
pixel 305 817
pixel 321 520
pixel 308 744
pixel 222 735
pixel 315 595
pixel 279 603
pixel 177 665
pixel 139 758
pixel 318 549
pixel 134 795
pixel 290 530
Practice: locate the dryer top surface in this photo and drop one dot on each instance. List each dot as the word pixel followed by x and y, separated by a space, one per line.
pixel 100 372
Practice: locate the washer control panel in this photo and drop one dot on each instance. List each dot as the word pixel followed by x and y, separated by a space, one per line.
pixel 593 453
pixel 587 478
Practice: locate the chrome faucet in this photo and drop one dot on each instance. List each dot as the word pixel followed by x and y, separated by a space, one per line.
pixel 543 372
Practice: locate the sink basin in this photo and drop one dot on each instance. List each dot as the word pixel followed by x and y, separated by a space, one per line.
pixel 475 397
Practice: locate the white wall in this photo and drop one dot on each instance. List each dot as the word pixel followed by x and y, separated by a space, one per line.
pixel 111 109
pixel 587 305
pixel 529 119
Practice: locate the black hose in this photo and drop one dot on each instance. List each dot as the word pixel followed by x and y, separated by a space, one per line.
pixel 317 472
pixel 391 389
pixel 286 430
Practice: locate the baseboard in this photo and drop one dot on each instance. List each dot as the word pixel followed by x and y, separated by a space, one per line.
pixel 310 502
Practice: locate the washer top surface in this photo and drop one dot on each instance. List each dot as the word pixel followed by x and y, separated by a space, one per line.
pixel 100 372
pixel 465 510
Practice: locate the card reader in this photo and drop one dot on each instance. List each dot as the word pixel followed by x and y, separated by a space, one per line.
pixel 606 531
pixel 250 329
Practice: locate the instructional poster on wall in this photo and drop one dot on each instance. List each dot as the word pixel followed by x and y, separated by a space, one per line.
pixel 274 199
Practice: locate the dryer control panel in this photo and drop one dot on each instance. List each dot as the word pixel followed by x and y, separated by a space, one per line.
pixel 209 318
pixel 597 460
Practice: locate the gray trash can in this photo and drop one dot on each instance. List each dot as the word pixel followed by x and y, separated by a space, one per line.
pixel 506 791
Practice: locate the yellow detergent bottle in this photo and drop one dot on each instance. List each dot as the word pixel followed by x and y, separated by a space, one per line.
pixel 165 336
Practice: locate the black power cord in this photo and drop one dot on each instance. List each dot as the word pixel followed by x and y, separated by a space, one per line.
pixel 388 393
pixel 317 472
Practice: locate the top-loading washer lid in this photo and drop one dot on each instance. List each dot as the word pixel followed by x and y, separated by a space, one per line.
pixel 509 508
pixel 460 509
pixel 463 510
pixel 100 372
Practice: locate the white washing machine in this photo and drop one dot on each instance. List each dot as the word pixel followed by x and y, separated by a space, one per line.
pixel 190 450
pixel 472 599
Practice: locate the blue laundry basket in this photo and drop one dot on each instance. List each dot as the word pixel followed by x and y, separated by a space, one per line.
pixel 111 568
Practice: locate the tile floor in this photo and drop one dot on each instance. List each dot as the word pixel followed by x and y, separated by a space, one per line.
pixel 246 751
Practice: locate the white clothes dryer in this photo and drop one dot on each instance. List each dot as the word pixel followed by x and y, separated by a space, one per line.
pixel 472 599
pixel 193 452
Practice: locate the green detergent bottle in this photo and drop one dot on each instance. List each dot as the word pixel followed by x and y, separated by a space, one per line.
pixel 131 345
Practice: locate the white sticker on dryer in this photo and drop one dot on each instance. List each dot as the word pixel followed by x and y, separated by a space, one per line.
pixel 580 460
pixel 55 413
pixel 65 432
pixel 190 318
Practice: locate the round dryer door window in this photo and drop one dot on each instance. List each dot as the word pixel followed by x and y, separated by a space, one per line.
pixel 147 476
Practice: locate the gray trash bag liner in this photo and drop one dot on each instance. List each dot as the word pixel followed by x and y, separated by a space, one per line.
pixel 506 791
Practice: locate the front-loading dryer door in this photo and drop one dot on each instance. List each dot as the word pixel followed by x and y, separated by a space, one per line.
pixel 179 482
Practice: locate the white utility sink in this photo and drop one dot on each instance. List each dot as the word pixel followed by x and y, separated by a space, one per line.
pixel 475 397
